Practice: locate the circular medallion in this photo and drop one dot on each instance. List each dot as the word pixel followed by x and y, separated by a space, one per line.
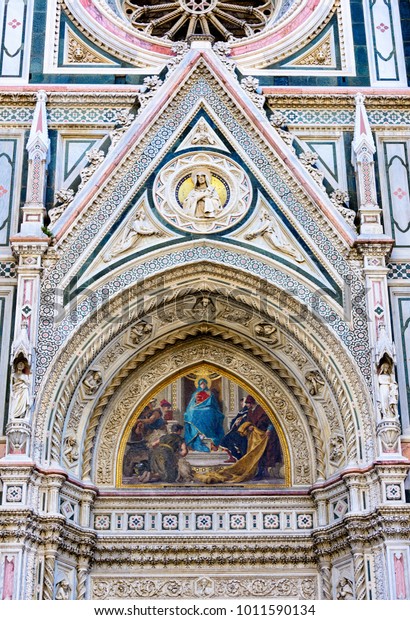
pixel 202 193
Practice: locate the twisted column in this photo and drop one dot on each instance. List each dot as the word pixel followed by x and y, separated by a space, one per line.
pixel 48 579
pixel 359 577
pixel 326 579
pixel 82 574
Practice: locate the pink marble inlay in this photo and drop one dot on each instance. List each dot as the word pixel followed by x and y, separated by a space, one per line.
pixel 400 575
pixel 299 19
pixel 108 25
pixel 382 27
pixel 8 580
pixel 400 193
pixel 14 24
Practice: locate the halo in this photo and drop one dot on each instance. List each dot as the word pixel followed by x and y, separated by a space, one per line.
pixel 204 376
pixel 202 171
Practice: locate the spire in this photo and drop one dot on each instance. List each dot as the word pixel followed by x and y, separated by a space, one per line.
pixel 363 143
pixel 38 147
pixel 363 150
pixel 38 139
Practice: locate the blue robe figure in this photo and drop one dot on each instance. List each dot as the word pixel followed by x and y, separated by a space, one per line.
pixel 203 419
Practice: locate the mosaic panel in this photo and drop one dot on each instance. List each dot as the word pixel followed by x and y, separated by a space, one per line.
pixel 204 522
pixel 8 270
pixel 399 271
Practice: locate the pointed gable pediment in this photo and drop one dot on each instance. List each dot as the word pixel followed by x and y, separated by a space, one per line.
pixel 201 92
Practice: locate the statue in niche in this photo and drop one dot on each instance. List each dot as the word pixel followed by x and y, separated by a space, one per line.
pixel 202 135
pixel 20 389
pixel 203 201
pixel 272 234
pixel 92 382
pixel 63 591
pixel 344 590
pixel 132 234
pixel 388 389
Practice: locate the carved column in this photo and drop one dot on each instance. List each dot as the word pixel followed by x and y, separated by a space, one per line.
pixel 48 579
pixel 82 574
pixel 326 580
pixel 359 576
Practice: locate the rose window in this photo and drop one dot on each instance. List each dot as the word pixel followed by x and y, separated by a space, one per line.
pixel 178 20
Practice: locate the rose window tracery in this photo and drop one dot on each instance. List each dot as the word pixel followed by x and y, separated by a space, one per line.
pixel 178 20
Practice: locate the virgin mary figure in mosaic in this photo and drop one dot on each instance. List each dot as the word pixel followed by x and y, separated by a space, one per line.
pixel 203 420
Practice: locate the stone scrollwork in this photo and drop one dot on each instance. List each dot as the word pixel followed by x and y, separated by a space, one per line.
pixel 210 586
pixel 202 193
pixel 180 49
pixel 62 199
pixel 223 51
pixel 251 86
pixel 150 87
pixel 95 158
pixel 123 122
pixel 278 121
pixel 340 198
pixel 309 162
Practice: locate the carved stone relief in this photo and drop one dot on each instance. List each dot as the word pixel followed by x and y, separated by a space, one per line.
pixel 202 192
pixel 209 586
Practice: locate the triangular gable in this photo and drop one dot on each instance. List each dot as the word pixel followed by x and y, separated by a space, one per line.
pixel 194 84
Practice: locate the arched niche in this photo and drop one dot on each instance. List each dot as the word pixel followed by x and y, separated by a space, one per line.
pixel 297 350
pixel 217 431
pixel 133 395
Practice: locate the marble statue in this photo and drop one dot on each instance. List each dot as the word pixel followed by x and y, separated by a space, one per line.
pixel 20 391
pixel 202 201
pixel 272 234
pixel 388 391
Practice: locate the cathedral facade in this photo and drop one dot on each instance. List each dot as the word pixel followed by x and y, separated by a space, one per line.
pixel 204 299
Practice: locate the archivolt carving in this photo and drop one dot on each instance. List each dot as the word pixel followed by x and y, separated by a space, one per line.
pixel 140 302
pixel 150 375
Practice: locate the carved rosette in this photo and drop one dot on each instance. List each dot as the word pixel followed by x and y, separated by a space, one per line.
pixel 224 202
